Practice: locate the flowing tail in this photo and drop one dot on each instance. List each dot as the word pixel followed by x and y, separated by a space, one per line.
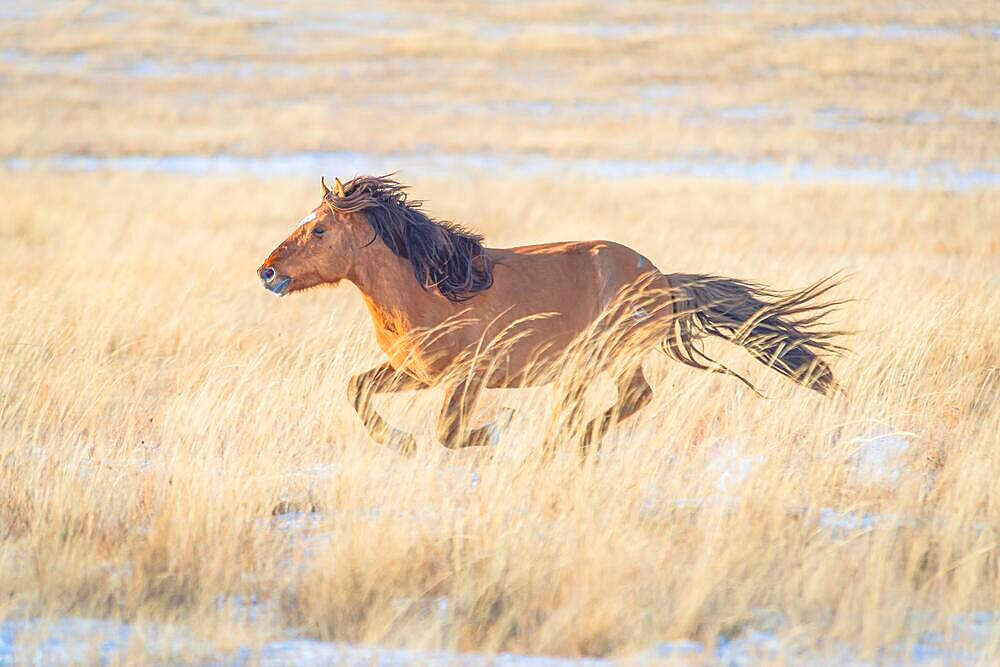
pixel 782 330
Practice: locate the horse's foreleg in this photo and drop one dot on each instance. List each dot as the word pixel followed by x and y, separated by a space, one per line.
pixel 361 388
pixel 634 393
pixel 459 404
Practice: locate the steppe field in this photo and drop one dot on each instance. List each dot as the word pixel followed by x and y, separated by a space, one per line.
pixel 182 478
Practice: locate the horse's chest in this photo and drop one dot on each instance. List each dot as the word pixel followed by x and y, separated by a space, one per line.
pixel 390 334
pixel 411 349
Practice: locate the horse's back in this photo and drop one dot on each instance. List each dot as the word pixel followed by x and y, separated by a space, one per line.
pixel 557 248
pixel 579 254
pixel 596 269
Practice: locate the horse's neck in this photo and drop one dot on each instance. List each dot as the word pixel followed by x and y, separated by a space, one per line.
pixel 402 312
pixel 394 299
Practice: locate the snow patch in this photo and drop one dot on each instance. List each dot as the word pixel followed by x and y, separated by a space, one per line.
pixel 730 465
pixel 81 640
pixel 877 456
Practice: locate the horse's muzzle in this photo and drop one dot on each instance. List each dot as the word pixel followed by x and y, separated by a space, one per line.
pixel 273 282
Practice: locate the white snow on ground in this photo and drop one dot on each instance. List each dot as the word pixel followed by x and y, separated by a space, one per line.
pixel 730 466
pixel 878 454
pixel 876 458
pixel 78 640
pixel 843 524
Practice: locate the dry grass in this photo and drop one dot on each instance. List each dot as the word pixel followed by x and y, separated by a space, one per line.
pixel 157 405
pixel 570 78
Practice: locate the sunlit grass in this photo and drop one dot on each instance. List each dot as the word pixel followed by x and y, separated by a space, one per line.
pixel 176 447
pixel 156 406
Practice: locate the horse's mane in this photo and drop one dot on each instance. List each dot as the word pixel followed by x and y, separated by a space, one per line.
pixel 443 254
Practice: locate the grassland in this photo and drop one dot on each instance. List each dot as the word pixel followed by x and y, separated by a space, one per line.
pixel 158 409
pixel 571 77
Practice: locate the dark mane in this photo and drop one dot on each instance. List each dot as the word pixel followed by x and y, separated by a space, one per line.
pixel 443 254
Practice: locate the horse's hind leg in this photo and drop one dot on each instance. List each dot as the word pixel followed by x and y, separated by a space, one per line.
pixel 459 404
pixel 382 379
pixel 634 393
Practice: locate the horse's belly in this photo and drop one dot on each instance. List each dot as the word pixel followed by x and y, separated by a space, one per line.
pixel 519 347
pixel 533 358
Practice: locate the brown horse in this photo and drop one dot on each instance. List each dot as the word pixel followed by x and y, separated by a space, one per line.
pixel 510 317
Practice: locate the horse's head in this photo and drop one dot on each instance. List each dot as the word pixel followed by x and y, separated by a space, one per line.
pixel 319 251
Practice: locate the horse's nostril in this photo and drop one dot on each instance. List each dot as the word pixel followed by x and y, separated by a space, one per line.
pixel 267 274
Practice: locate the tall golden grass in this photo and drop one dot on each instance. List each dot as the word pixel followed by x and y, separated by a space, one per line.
pixel 176 446
pixel 158 406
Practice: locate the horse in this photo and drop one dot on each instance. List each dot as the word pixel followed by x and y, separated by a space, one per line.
pixel 436 295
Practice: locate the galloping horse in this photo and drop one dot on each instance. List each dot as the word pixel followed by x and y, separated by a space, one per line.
pixel 436 294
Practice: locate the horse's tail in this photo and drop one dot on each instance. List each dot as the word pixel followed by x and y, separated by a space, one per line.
pixel 783 330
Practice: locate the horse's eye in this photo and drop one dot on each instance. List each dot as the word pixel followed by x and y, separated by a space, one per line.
pixel 318 231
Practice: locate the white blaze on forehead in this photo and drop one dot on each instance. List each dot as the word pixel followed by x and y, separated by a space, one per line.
pixel 309 218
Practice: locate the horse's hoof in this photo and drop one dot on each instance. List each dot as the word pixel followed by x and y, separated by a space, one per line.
pixel 496 428
pixel 401 442
pixel 292 507
pixel 589 443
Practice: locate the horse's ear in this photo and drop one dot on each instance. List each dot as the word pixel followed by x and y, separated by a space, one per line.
pixel 338 188
pixel 326 190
